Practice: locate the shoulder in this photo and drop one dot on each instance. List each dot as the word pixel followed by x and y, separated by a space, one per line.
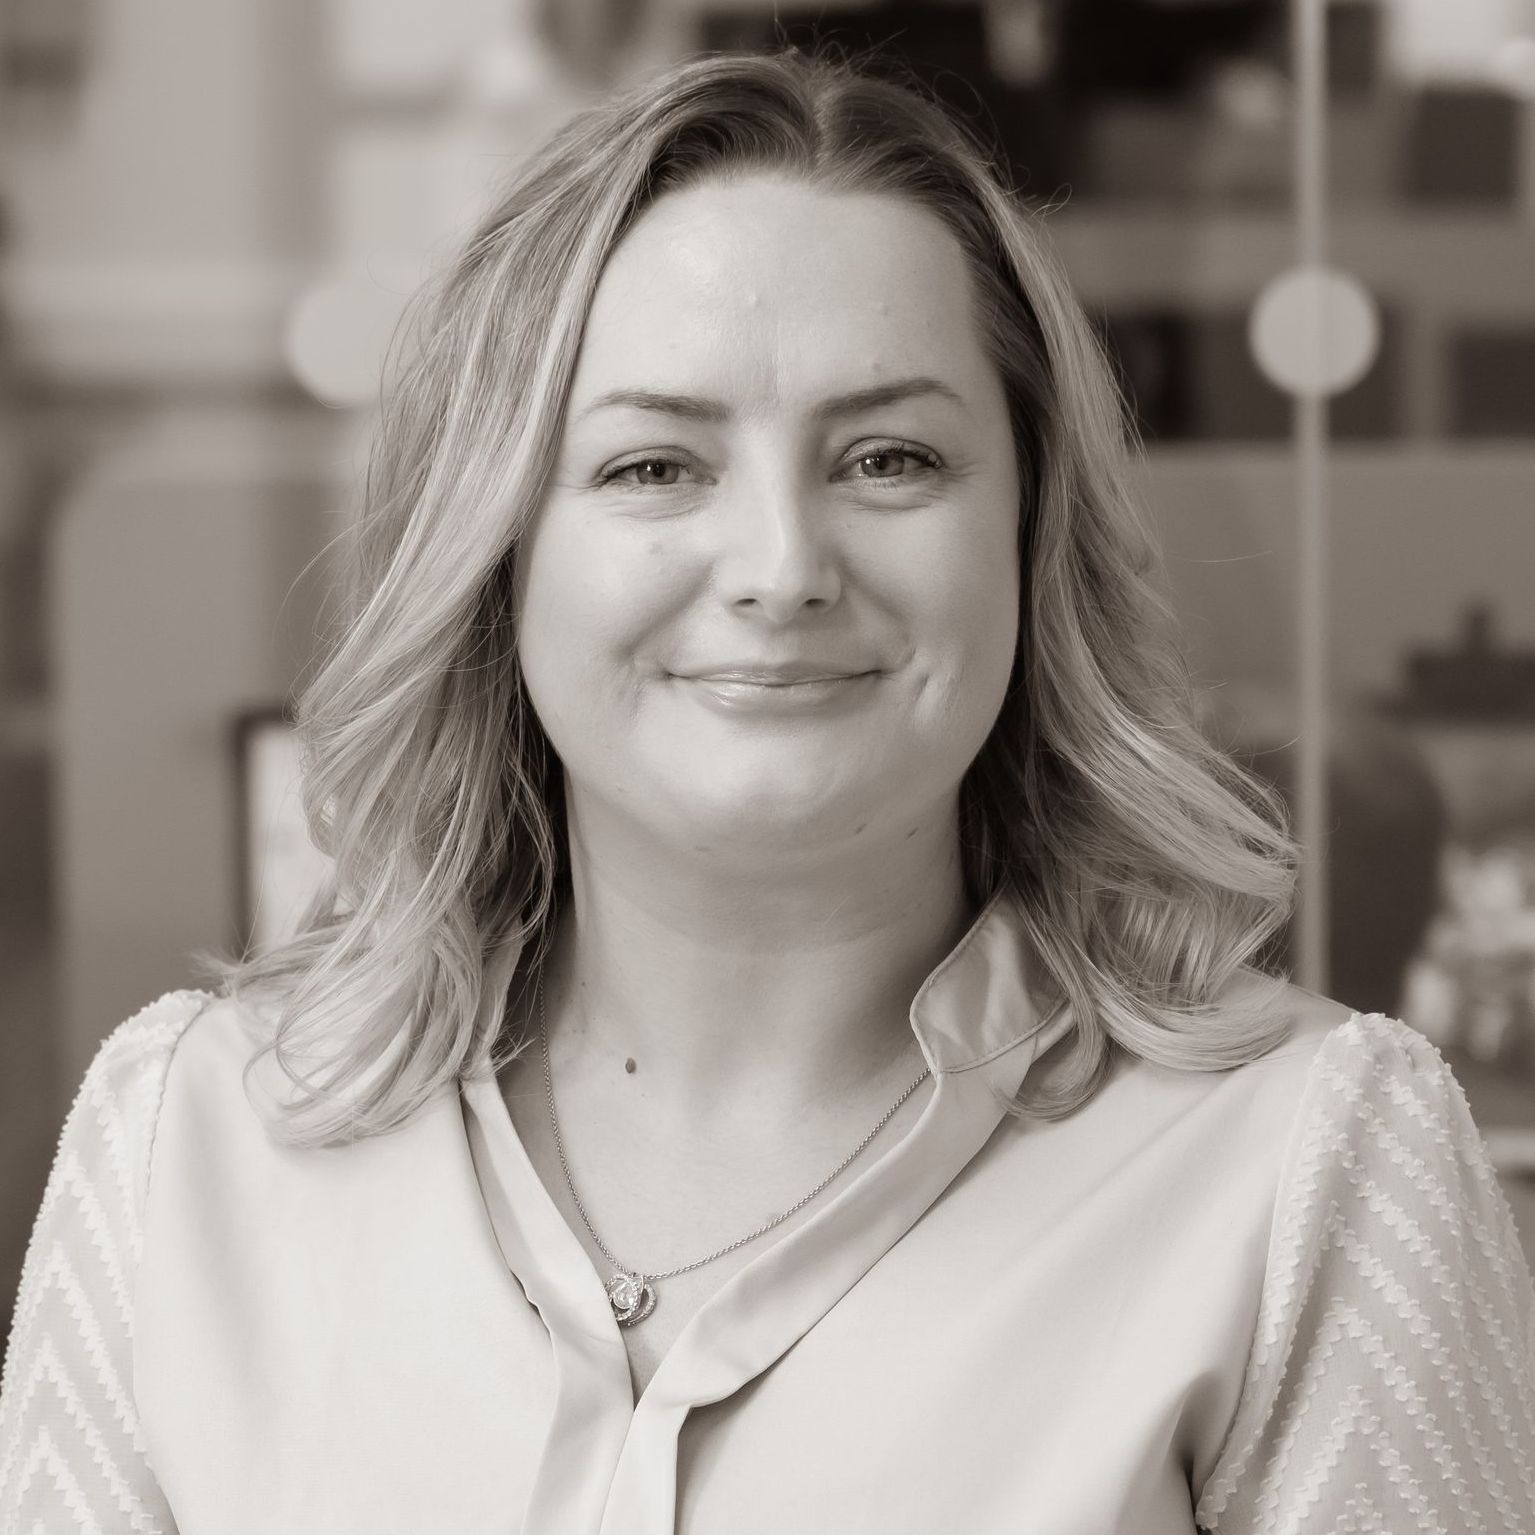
pixel 1320 1056
pixel 1351 1068
pixel 1270 1032
pixel 1352 1076
pixel 110 1129
pixel 113 1122
pixel 1224 1126
pixel 215 1077
pixel 1310 1034
pixel 1319 1029
pixel 1309 1020
pixel 119 1097
pixel 218 1029
pixel 1383 1117
pixel 149 1037
pixel 138 1055
pixel 98 1180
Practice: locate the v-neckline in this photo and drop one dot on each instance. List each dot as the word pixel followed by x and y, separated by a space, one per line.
pixel 541 1155
pixel 569 1256
pixel 758 1313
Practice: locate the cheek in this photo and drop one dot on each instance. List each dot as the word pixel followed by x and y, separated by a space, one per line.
pixel 970 614
pixel 591 602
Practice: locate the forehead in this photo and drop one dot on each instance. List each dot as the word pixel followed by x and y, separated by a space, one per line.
pixel 769 288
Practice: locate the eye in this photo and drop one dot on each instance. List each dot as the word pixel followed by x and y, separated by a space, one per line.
pixel 653 469
pixel 893 461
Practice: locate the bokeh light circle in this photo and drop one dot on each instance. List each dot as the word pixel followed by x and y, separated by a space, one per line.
pixel 1315 331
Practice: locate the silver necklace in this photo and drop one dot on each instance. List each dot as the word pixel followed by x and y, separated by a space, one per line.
pixel 632 1292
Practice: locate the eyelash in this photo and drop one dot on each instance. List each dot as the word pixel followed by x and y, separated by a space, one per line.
pixel 928 462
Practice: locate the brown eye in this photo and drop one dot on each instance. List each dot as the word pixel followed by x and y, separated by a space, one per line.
pixel 890 464
pixel 881 466
pixel 655 471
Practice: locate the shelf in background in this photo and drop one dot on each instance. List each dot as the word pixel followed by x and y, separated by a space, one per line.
pixel 1470 265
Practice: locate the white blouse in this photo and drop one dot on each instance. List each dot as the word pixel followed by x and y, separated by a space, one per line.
pixel 1285 1297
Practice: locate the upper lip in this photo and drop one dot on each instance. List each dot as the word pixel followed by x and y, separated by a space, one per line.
pixel 775 673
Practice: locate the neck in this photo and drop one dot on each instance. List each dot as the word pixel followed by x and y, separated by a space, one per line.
pixel 757 989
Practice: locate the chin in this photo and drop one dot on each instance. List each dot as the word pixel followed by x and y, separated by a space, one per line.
pixel 771 817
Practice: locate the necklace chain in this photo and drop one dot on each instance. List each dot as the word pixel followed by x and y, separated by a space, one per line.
pixel 639 1275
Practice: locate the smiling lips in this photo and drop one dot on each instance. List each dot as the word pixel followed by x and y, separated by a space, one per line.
pixel 776 674
pixel 778 687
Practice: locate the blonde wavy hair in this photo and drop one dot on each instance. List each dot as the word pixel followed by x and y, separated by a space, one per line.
pixel 1149 868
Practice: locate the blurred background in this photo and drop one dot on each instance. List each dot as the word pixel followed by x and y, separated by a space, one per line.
pixel 212 211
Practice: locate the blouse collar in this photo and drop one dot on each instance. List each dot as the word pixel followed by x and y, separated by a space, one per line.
pixel 987 995
pixel 613 1462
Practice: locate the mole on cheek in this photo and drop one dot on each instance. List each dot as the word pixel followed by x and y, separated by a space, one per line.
pixel 629 1065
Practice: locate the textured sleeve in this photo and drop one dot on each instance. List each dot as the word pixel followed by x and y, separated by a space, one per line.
pixel 71 1452
pixel 1391 1383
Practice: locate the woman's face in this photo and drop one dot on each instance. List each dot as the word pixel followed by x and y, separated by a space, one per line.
pixel 773 591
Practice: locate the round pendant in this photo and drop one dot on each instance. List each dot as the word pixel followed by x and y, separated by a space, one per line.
pixel 633 1300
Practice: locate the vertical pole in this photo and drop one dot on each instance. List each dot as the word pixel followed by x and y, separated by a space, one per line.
pixel 1308 52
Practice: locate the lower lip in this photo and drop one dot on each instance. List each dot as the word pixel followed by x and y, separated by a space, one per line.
pixel 778 698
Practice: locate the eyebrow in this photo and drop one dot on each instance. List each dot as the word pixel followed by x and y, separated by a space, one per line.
pixel 692 408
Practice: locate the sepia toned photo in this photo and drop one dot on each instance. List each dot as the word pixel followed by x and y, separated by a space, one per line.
pixel 767 768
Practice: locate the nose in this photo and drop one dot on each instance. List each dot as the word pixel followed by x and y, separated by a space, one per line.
pixel 780 559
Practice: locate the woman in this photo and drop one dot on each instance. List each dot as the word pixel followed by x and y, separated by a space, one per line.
pixel 779 1052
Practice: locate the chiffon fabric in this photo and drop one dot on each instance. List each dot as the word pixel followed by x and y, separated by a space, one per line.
pixel 1283 1297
